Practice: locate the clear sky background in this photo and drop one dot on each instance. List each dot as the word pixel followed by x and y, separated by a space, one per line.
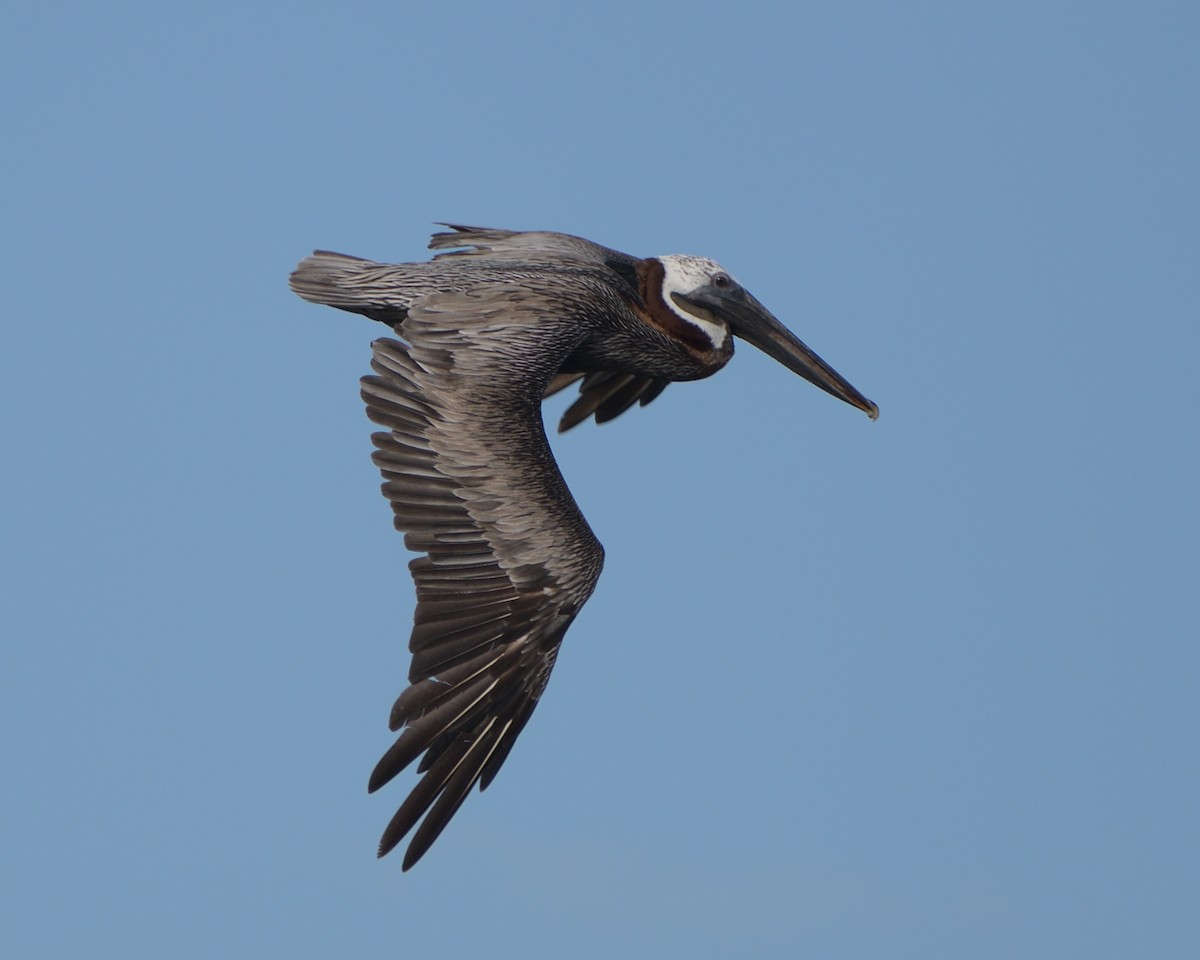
pixel 923 688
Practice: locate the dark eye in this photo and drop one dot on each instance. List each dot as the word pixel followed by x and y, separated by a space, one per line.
pixel 722 280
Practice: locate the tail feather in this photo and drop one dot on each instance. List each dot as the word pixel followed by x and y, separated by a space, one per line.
pixel 353 284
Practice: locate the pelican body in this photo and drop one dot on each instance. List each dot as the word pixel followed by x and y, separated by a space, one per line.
pixel 496 322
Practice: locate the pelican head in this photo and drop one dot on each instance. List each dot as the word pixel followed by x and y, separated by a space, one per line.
pixel 703 293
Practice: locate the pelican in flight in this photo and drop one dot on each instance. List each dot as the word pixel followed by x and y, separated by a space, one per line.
pixel 496 322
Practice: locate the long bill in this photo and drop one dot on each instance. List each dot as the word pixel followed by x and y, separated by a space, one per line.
pixel 755 324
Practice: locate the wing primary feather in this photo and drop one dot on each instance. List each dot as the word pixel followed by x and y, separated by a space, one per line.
pixel 458 784
pixel 509 737
pixel 421 797
pixel 560 381
pixel 593 391
pixel 439 657
pixel 652 391
pixel 622 398
pixel 424 695
pixel 481 579
pixel 421 732
pixel 608 394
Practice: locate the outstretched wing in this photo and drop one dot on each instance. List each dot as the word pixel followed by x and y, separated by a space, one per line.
pixel 507 561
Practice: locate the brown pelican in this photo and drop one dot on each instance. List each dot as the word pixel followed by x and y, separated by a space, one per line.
pixel 489 328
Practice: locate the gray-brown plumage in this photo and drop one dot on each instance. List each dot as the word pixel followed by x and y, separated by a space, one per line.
pixel 492 325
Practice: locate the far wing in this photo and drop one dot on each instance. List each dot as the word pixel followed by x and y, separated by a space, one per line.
pixel 606 394
pixel 529 246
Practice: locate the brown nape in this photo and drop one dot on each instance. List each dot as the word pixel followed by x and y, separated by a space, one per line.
pixel 662 317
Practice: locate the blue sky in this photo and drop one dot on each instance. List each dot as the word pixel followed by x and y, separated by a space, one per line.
pixel 920 688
